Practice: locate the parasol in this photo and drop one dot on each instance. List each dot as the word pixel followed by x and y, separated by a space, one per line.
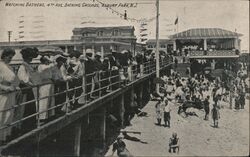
pixel 50 50
pixel 207 68
pixel 217 72
pixel 159 80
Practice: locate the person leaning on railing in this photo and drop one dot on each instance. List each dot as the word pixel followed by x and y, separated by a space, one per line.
pixel 60 76
pixel 105 76
pixel 77 71
pixel 99 74
pixel 114 64
pixel 8 84
pixel 46 90
pixel 28 78
pixel 90 69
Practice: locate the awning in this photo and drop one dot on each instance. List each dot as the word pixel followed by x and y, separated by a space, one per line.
pixel 199 33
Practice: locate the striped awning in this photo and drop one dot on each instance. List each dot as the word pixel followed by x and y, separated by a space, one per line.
pixel 199 33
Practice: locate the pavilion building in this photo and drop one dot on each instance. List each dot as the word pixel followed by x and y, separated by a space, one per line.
pixel 217 46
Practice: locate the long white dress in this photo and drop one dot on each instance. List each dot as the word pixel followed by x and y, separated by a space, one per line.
pixel 46 75
pixel 7 100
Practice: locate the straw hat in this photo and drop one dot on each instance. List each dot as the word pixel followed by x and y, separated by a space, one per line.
pixel 98 54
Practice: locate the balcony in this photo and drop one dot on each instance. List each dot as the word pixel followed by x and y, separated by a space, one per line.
pixel 213 54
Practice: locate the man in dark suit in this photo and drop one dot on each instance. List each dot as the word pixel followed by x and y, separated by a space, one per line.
pixel 113 66
pixel 90 69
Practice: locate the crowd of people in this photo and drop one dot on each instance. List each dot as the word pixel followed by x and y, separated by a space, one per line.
pixel 201 93
pixel 60 83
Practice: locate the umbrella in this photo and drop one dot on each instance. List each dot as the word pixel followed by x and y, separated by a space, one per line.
pixel 217 72
pixel 159 80
pixel 50 50
pixel 207 68
pixel 230 73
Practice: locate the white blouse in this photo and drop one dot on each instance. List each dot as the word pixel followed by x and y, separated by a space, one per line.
pixel 7 75
pixel 27 74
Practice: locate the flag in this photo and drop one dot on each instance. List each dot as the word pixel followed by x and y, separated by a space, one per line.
pixel 143 39
pixel 176 21
pixel 143 29
pixel 143 35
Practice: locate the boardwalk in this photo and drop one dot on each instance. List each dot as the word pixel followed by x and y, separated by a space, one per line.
pixel 197 137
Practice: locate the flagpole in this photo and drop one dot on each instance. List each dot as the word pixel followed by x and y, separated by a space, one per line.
pixel 177 24
pixel 157 46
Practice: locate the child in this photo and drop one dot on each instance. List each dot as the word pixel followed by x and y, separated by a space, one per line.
pixel 158 111
pixel 174 143
pixel 215 115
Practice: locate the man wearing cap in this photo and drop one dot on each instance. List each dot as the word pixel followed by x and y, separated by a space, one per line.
pixel 90 69
pixel 114 64
pixel 77 74
pixel 60 76
pixel 98 75
pixel 167 113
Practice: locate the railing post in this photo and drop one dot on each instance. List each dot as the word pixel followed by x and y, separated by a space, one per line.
pixel 67 97
pixel 99 83
pixel 122 109
pixel 77 139
pixel 103 125
pixel 38 107
pixel 140 94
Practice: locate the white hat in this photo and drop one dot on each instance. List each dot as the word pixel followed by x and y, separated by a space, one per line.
pixel 98 54
pixel 124 51
pixel 89 51
pixel 120 136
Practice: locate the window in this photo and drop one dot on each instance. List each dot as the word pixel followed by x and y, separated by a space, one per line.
pixel 100 33
pixel 163 46
pixel 85 34
pixel 115 32
pixel 150 46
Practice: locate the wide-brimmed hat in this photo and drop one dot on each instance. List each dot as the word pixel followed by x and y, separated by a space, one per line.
pixel 98 54
pixel 45 58
pixel 29 52
pixel 124 51
pixel 89 51
pixel 61 58
pixel 74 53
pixel 113 51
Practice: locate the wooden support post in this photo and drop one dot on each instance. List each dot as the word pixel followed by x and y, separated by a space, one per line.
pixel 122 110
pixel 77 140
pixel 149 86
pixel 141 94
pixel 132 97
pixel 103 125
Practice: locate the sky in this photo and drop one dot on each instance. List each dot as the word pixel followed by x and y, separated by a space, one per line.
pixel 57 23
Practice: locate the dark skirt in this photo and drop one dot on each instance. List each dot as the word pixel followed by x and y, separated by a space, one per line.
pixel 29 109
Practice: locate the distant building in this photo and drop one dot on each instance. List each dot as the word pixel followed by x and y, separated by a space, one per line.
pixel 207 43
pixel 102 39
pixel 165 45
pixel 105 39
pixel 216 47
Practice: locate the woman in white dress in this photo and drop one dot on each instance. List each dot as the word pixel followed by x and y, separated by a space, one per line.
pixel 8 84
pixel 28 78
pixel 45 104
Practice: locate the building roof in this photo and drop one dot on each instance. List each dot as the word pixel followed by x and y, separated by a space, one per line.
pixel 103 27
pixel 160 40
pixel 198 33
